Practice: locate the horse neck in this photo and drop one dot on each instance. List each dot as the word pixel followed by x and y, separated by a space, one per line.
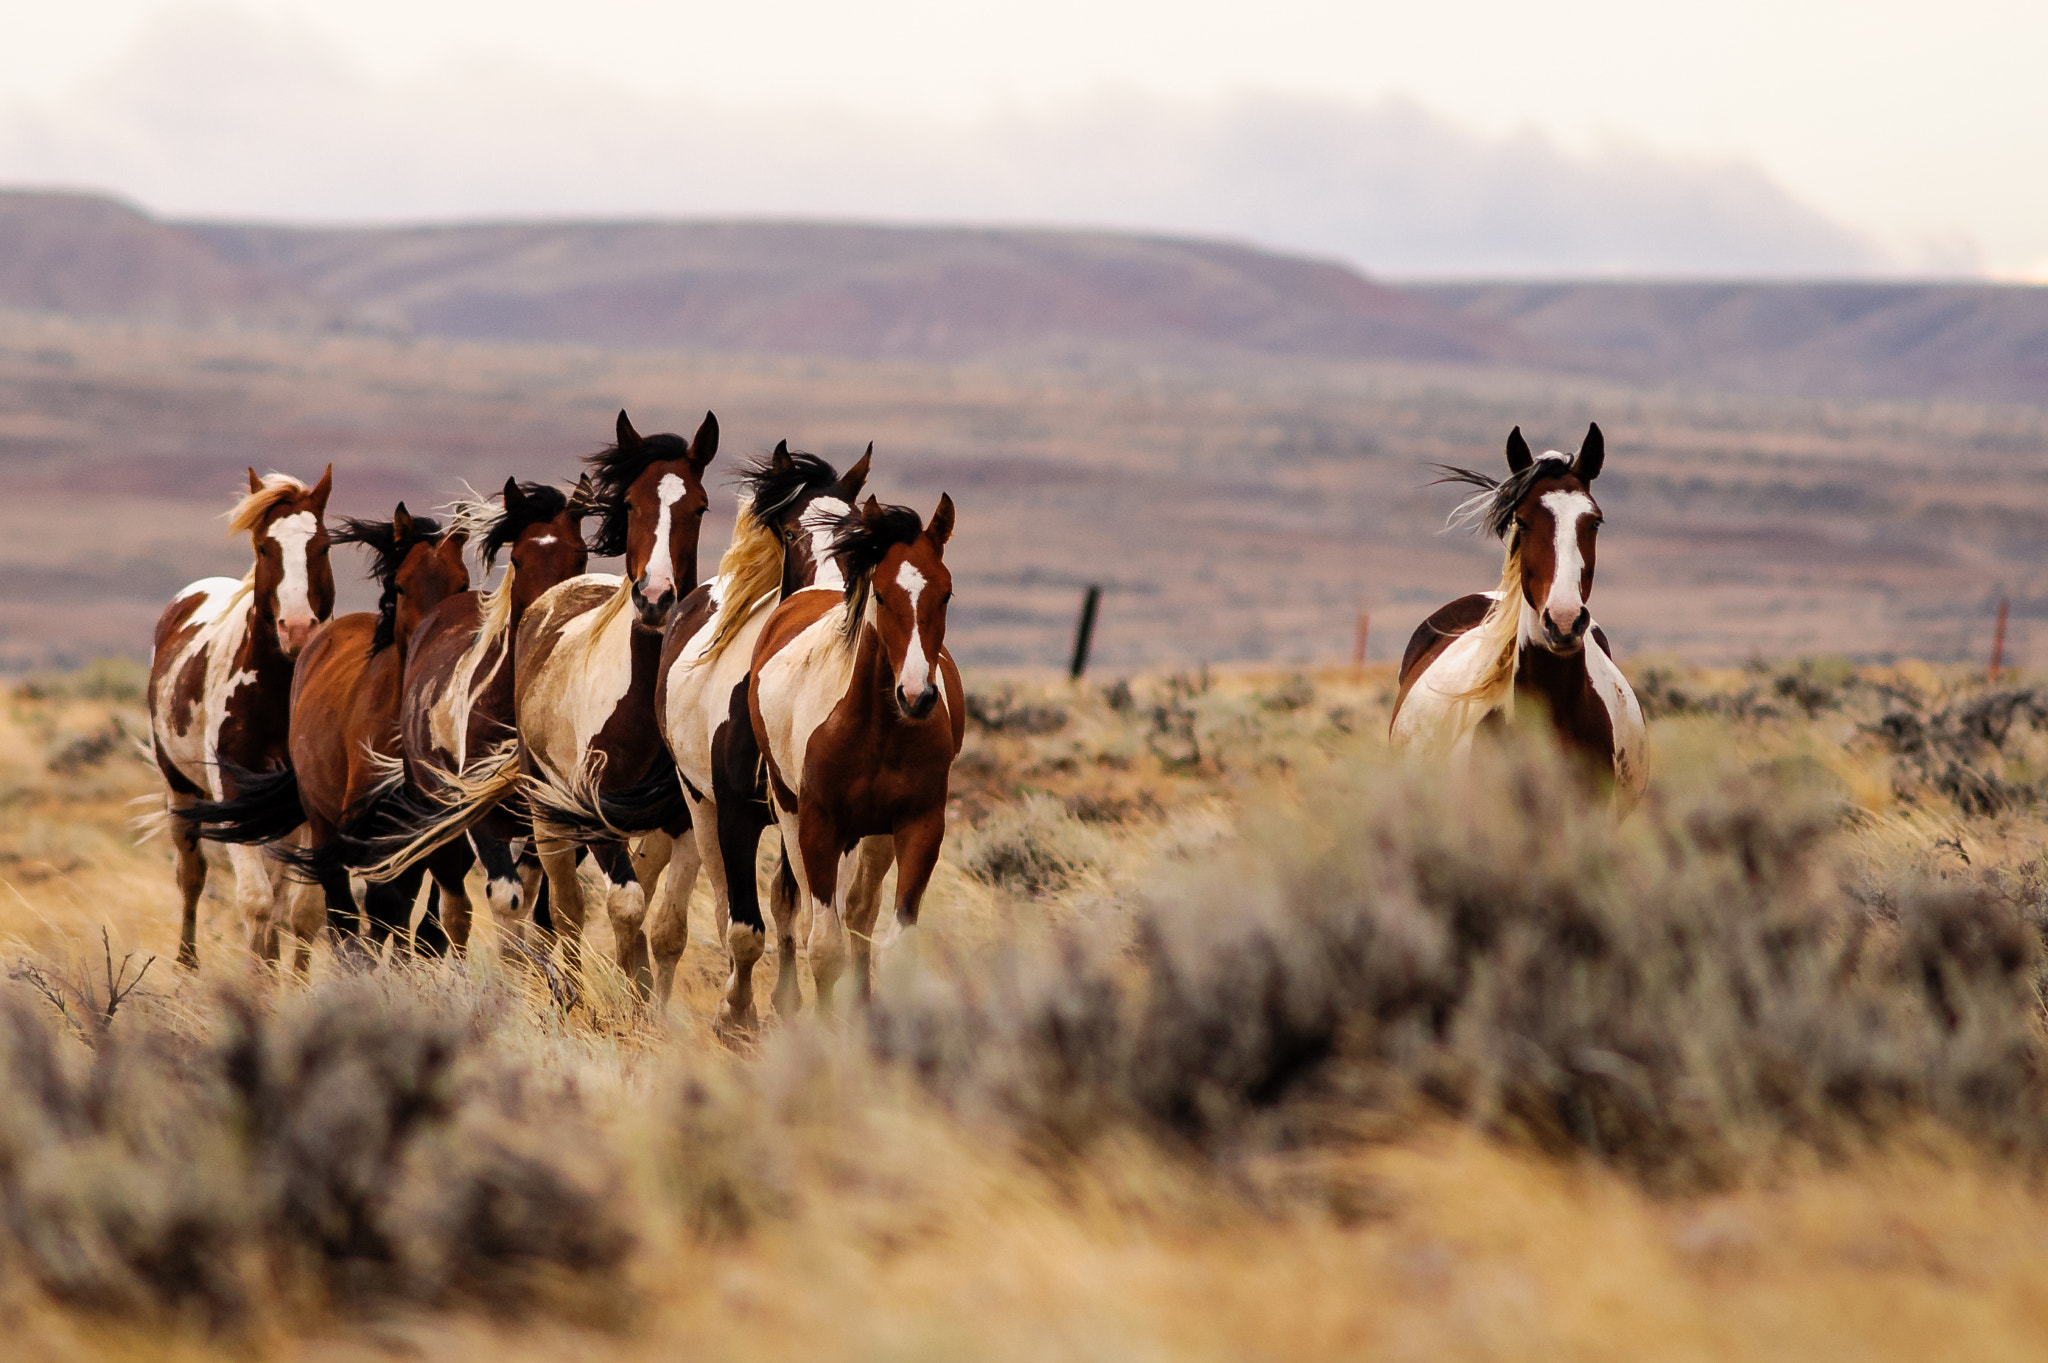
pixel 259 634
pixel 1559 678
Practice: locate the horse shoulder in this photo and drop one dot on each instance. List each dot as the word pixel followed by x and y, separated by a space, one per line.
pixel 791 619
pixel 1436 634
pixel 955 700
pixel 1624 717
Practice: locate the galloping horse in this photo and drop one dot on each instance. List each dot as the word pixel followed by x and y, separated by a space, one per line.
pixel 583 669
pixel 344 733
pixel 713 786
pixel 220 683
pixel 457 696
pixel 857 708
pixel 1475 659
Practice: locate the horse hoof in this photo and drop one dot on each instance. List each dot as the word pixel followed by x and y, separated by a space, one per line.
pixel 188 957
pixel 735 1024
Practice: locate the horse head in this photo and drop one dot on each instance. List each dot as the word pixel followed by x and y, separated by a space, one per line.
pixel 542 527
pixel 792 494
pixel 292 583
pixel 1545 512
pixel 648 492
pixel 890 556
pixel 414 564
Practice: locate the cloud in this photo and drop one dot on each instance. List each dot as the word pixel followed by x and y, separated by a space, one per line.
pixel 218 114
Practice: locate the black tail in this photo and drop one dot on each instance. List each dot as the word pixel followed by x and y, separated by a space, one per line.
pixel 653 802
pixel 264 807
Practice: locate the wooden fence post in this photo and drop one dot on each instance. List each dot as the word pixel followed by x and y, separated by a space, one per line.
pixel 1358 647
pixel 1998 642
pixel 1084 632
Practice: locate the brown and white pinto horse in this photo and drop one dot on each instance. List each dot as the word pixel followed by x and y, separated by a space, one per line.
pixel 583 671
pixel 714 785
pixel 220 683
pixel 857 708
pixel 1474 661
pixel 457 697
pixel 344 735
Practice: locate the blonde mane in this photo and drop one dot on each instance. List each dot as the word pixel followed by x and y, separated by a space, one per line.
pixel 1500 633
pixel 749 572
pixel 248 513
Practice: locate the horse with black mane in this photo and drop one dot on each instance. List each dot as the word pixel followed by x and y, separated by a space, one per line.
pixel 220 684
pixel 857 709
pixel 338 777
pixel 1533 641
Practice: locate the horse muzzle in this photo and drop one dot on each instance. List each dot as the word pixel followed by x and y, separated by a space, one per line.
pixel 653 611
pixel 292 635
pixel 1566 640
pixel 918 706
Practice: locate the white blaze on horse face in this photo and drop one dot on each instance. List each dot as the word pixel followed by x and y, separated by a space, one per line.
pixel 1564 604
pixel 661 574
pixel 294 595
pixel 916 673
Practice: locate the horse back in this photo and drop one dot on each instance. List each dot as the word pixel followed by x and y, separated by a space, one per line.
pixel 1436 634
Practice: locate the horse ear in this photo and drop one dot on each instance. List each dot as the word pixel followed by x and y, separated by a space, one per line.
pixel 780 458
pixel 941 525
pixel 255 483
pixel 579 499
pixel 320 491
pixel 512 496
pixel 401 525
pixel 705 444
pixel 1519 457
pixel 1592 455
pixel 627 435
pixel 854 479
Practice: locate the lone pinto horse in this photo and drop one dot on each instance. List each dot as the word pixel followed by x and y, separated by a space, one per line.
pixel 220 684
pixel 1474 661
pixel 339 781
pixel 857 707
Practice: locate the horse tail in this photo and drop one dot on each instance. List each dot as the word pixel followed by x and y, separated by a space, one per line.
pixel 580 812
pixel 264 807
pixel 461 801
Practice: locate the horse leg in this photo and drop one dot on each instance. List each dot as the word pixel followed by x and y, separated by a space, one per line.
pixel 871 862
pixel 533 884
pixel 785 906
pixel 558 861
pixel 625 903
pixel 504 894
pixel 917 853
pixel 668 924
pixel 255 897
pixel 739 836
pixel 191 879
pixel 817 842
pixel 388 907
pixel 306 915
pixel 445 926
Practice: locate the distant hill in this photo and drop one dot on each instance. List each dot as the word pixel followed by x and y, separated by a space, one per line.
pixel 1983 341
pixel 959 293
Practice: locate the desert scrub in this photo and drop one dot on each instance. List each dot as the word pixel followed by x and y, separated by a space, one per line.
pixel 1686 996
pixel 362 1146
pixel 1036 845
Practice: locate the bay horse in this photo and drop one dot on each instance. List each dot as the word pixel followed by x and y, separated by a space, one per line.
pixel 713 784
pixel 456 699
pixel 220 684
pixel 1474 661
pixel 857 710
pixel 344 735
pixel 583 671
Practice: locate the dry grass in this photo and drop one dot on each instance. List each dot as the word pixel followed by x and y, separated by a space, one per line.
pixel 1227 1038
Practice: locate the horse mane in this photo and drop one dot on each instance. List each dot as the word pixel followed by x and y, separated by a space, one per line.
pixel 859 544
pixel 387 556
pixel 492 528
pixel 1492 508
pixel 613 470
pixel 248 513
pixel 751 568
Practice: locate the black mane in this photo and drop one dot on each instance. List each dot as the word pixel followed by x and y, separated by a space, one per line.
pixel 771 488
pixel 861 541
pixel 387 556
pixel 538 504
pixel 613 471
pixel 1496 512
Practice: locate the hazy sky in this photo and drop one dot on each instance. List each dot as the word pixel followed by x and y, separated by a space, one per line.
pixel 1768 136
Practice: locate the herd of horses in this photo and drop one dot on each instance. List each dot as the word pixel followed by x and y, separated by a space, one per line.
pixel 659 726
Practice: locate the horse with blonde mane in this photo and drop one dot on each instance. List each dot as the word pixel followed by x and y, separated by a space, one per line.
pixel 339 781
pixel 857 710
pixel 457 698
pixel 220 684
pixel 1533 641
pixel 713 785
